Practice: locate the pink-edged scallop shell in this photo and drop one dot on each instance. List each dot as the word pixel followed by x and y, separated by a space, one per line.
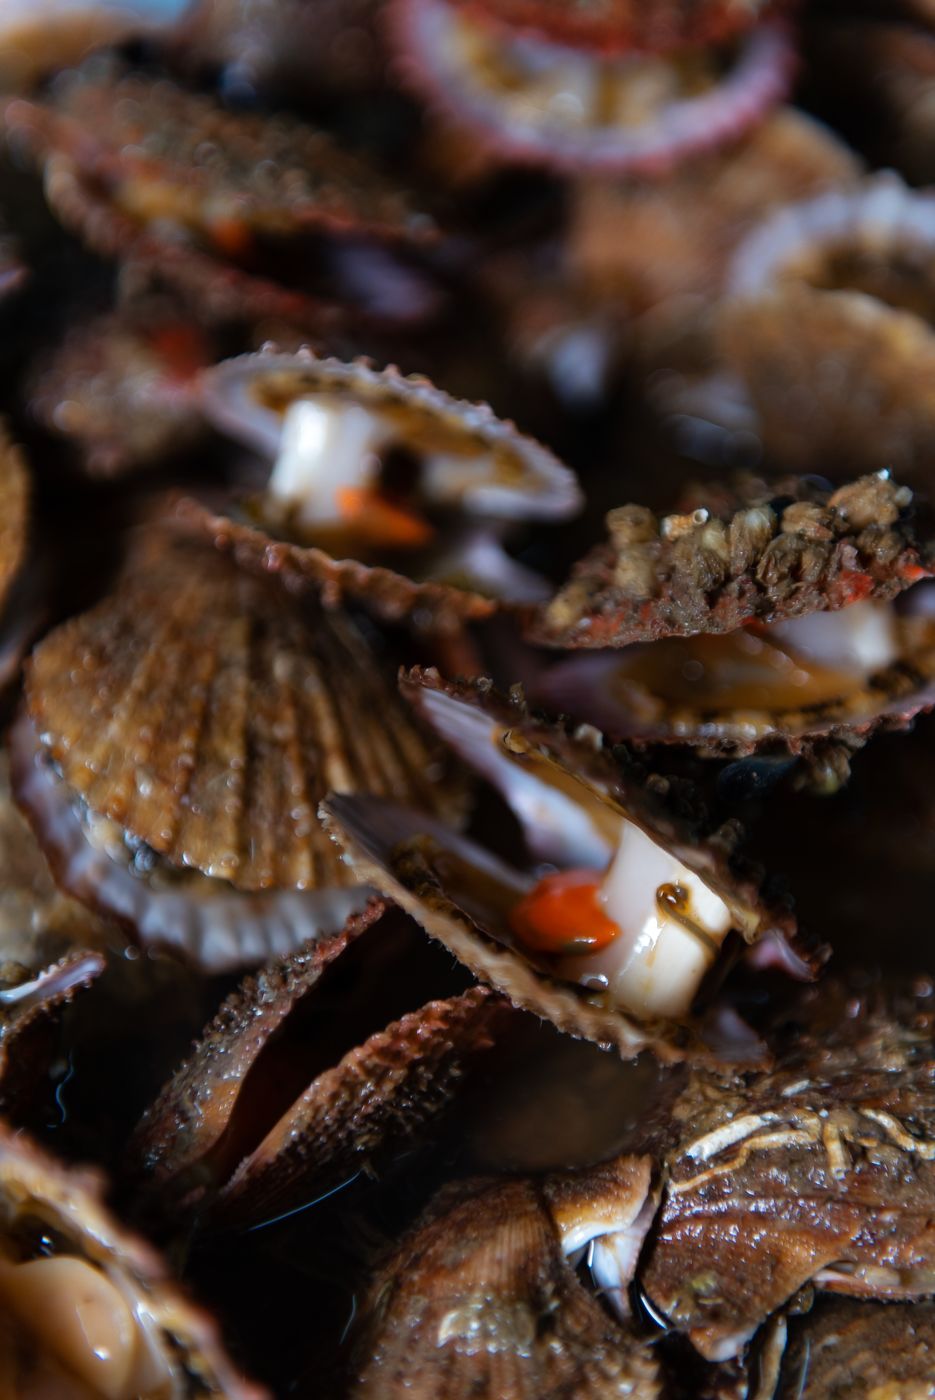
pixel 301 1081
pixel 669 107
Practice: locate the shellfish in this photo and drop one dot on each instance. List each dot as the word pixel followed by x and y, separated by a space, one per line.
pixel 88 1308
pixel 379 487
pixel 760 622
pixel 312 1069
pixel 861 1350
pixel 530 98
pixel 222 713
pixel 613 947
pixel 248 217
pixel 38 36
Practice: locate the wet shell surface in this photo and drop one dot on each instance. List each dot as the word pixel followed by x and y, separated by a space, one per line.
pixel 265 1116
pixel 867 1351
pixel 529 100
pixel 87 1305
pixel 819 1170
pixel 574 804
pixel 469 467
pixel 229 713
pixel 14 512
pixel 623 24
pixel 121 387
pixel 479 1300
pixel 234 209
pixel 828 327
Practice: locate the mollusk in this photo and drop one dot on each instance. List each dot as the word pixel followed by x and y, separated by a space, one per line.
pixel 226 712
pixel 617 944
pixel 819 1170
pixel 88 1308
pixel 121 387
pixel 760 620
pixel 38 36
pixel 14 512
pixel 480 1298
pixel 377 478
pixel 828 326
pixel 299 1081
pixel 864 1350
pixel 531 99
pixel 248 216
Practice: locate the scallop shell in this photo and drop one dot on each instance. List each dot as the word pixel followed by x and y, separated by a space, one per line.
pixel 36 38
pixel 818 1170
pixel 247 398
pixel 862 1350
pixel 415 860
pixel 246 1142
pixel 828 330
pixel 39 1195
pixel 121 387
pixel 611 25
pixel 14 512
pixel 128 157
pixel 478 1300
pixel 458 85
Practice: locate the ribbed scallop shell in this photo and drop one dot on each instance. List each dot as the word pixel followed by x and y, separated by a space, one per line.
pixel 14 512
pixel 215 1142
pixel 478 1303
pixel 865 1351
pixel 828 327
pixel 460 892
pixel 37 1191
pixel 207 715
pixel 463 89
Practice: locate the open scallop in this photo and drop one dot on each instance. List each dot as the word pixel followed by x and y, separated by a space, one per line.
pixel 784 622
pixel 626 928
pixel 383 488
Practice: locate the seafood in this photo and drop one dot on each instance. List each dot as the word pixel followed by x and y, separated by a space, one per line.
pixel 38 36
pixel 616 946
pixel 859 1350
pixel 529 98
pixel 379 487
pixel 190 815
pixel 121 387
pixel 763 620
pixel 246 217
pixel 818 1170
pixel 88 1308
pixel 14 513
pixel 480 1298
pixel 300 1080
pixel 827 327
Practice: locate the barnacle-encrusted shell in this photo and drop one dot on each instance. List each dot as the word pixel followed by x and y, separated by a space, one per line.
pixel 479 1301
pixel 821 1170
pixel 121 387
pixel 210 1142
pixel 461 893
pixel 859 1351
pixel 14 512
pixel 829 328
pixel 206 715
pixel 512 478
pixel 623 114
pixel 167 179
pixel 628 24
pixel 762 558
pixel 41 1197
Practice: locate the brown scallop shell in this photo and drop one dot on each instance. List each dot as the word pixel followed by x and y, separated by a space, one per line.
pixel 121 387
pixel 763 558
pixel 460 892
pixel 256 1123
pixel 206 715
pixel 247 397
pixel 478 1301
pixel 866 1351
pixel 617 25
pixel 14 512
pixel 225 176
pixel 819 1170
pixel 38 1192
pixel 828 328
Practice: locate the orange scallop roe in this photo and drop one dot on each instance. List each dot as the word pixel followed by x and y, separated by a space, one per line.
pixel 380 520
pixel 563 914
